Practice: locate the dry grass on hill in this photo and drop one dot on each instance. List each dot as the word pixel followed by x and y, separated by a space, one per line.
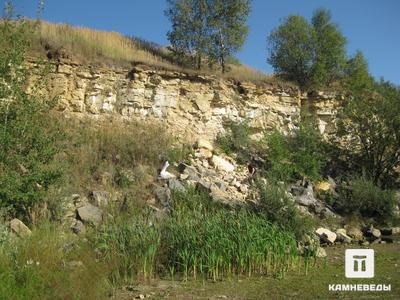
pixel 106 48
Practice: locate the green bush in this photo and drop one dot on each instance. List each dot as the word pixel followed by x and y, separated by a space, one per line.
pixel 236 139
pixel 50 265
pixel 362 197
pixel 292 157
pixel 29 132
pixel 279 209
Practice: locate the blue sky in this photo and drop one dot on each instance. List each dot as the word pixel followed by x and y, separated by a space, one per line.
pixel 371 26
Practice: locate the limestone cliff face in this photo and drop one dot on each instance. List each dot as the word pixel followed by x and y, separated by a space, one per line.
pixel 190 105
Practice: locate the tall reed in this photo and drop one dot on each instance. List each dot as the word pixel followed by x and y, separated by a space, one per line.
pixel 217 242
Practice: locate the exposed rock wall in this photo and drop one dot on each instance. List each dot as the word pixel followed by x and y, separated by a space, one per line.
pixel 190 105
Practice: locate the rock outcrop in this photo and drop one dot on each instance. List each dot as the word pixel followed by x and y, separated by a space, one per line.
pixel 192 106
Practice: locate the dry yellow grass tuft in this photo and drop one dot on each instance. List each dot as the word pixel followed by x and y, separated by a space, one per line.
pixel 93 46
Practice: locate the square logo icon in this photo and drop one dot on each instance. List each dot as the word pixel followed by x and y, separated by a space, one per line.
pixel 359 263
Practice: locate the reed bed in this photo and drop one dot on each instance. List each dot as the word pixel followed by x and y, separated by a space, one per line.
pixel 217 242
pixel 130 245
pixel 198 239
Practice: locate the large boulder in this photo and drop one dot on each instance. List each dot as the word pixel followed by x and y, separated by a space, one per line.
pixel 204 144
pixel 90 214
pixel 307 197
pixel 176 185
pixel 101 198
pixel 222 164
pixel 326 235
pixel 355 233
pixel 342 236
pixel 373 233
pixel 19 228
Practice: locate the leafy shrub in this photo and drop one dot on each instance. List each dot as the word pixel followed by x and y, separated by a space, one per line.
pixel 364 198
pixel 237 141
pixel 295 156
pixel 279 209
pixel 279 155
pixel 50 265
pixel 30 134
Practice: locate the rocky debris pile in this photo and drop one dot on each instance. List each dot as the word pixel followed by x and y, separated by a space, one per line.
pixel 81 211
pixel 217 175
pixel 351 234
pixel 306 201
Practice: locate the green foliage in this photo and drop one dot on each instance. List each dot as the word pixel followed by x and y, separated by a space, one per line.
pixel 279 154
pixel 291 49
pixel 199 237
pixel 228 24
pixel 237 140
pixel 42 267
pixel 296 156
pixel 357 77
pixel 330 54
pixel 207 31
pixel 313 55
pixel 364 198
pixel 374 123
pixel 202 238
pixel 280 209
pixel 29 133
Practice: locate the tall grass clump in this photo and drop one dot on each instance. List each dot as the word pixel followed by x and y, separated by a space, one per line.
pixel 95 46
pixel 128 153
pixel 50 265
pixel 129 244
pixel 208 240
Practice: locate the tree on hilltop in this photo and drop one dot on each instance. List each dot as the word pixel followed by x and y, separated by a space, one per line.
pixel 207 30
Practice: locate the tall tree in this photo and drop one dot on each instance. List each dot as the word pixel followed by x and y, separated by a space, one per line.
pixel 330 53
pixel 292 50
pixel 189 36
pixel 209 30
pixel 311 54
pixel 229 28
pixel 357 77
